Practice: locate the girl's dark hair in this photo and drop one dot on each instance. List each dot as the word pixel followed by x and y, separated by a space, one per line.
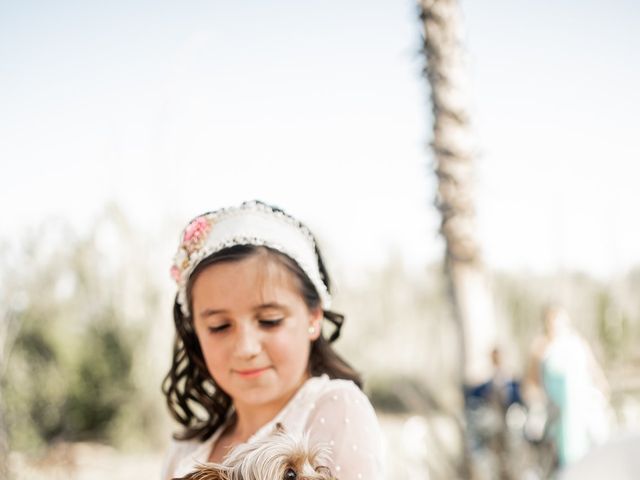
pixel 192 395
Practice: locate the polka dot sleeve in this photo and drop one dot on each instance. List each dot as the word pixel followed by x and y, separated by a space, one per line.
pixel 343 419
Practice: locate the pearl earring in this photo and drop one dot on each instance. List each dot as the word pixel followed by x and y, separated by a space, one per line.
pixel 312 330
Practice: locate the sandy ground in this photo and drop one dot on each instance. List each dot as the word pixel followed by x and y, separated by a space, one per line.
pixel 86 461
pixel 416 450
pixel 89 461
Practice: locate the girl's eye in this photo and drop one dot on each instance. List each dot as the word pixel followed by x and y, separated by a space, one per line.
pixel 270 322
pixel 218 328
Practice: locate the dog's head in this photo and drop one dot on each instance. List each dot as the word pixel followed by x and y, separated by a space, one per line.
pixel 279 456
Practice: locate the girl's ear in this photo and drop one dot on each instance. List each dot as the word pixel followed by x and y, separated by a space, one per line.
pixel 209 471
pixel 315 324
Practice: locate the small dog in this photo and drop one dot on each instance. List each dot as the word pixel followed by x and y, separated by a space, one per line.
pixel 280 456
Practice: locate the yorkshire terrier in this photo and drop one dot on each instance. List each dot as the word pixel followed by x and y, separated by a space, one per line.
pixel 279 456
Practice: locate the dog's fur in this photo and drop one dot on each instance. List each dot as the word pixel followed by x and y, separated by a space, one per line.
pixel 280 456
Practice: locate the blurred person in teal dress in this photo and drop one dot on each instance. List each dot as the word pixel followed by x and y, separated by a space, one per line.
pixel 564 368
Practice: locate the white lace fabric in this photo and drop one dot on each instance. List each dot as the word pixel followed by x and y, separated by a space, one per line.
pixel 332 412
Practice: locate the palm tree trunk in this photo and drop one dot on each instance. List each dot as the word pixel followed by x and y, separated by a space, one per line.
pixel 454 157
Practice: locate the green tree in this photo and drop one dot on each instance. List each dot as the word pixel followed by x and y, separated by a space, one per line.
pixel 81 304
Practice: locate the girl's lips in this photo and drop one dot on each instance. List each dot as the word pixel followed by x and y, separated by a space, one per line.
pixel 251 373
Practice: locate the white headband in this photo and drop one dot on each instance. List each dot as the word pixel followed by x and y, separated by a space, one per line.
pixel 252 223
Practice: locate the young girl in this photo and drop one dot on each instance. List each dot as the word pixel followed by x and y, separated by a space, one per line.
pixel 250 352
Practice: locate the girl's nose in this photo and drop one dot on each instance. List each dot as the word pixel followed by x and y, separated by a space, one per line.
pixel 248 343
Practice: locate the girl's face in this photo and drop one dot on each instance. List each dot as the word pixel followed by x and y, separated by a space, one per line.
pixel 253 327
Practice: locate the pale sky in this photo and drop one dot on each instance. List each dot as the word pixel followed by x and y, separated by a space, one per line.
pixel 175 108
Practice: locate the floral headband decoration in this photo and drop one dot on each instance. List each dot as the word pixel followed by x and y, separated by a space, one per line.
pixel 252 223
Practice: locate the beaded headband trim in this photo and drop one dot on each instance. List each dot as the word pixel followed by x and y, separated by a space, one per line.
pixel 252 223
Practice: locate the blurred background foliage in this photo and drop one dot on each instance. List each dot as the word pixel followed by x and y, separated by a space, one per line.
pixel 79 312
pixel 87 332
pixel 405 313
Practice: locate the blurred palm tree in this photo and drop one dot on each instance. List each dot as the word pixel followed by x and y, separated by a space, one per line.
pixel 454 167
pixel 454 157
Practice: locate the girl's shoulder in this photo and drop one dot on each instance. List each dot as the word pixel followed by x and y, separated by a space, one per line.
pixel 338 395
pixel 324 388
pixel 324 397
pixel 343 419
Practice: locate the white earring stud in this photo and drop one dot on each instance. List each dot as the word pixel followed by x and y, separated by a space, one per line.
pixel 312 330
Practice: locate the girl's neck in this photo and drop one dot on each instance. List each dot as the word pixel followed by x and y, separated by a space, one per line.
pixel 250 420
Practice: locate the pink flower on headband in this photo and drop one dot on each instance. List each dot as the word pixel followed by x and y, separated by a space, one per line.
pixel 195 233
pixel 175 273
pixel 194 237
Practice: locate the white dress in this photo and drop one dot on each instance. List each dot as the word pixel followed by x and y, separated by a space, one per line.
pixel 569 384
pixel 333 412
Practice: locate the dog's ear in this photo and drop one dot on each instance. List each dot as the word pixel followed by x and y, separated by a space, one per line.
pixel 207 472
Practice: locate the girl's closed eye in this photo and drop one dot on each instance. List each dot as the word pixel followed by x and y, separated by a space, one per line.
pixel 218 328
pixel 270 322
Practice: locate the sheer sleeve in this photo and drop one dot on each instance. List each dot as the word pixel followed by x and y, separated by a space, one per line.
pixel 170 460
pixel 175 453
pixel 344 420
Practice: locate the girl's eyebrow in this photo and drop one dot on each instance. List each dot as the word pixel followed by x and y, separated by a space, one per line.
pixel 209 312
pixel 273 305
